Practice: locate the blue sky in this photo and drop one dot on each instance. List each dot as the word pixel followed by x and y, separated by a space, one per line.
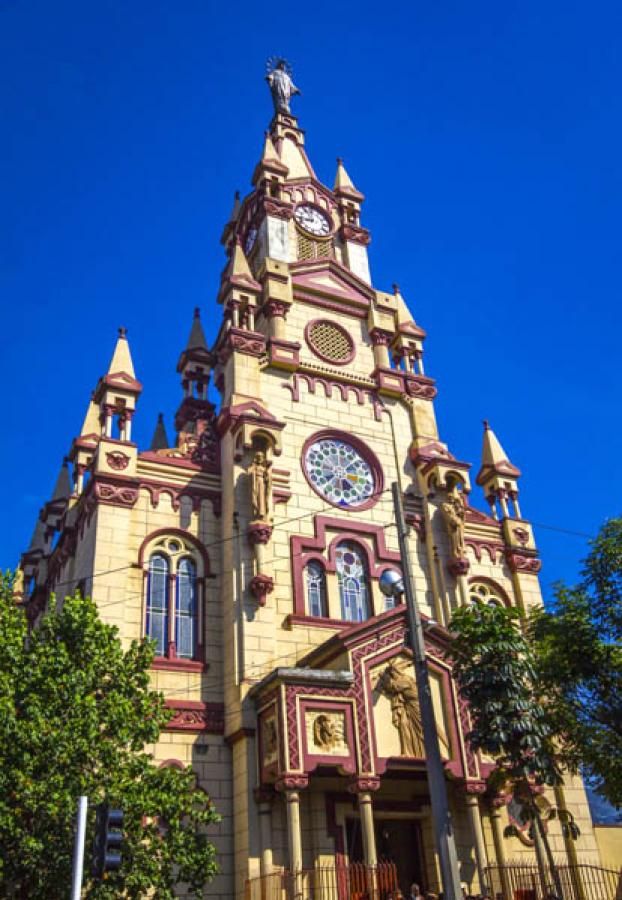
pixel 485 136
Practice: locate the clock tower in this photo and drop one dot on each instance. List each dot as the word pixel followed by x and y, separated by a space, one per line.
pixel 250 550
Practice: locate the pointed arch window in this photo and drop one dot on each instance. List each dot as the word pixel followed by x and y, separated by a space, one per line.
pixel 316 589
pixel 353 581
pixel 185 608
pixel 174 601
pixel 158 602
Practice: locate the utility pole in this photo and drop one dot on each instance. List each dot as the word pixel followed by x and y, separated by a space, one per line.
pixel 441 819
pixel 78 849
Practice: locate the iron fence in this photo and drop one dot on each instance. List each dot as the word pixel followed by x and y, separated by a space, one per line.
pixel 352 882
pixel 519 881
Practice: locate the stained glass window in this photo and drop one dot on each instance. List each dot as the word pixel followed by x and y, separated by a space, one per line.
pixel 316 589
pixel 157 602
pixel 185 609
pixel 479 592
pixel 338 472
pixel 352 580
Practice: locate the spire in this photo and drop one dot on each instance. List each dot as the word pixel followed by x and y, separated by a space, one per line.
pixel 343 183
pixel 494 458
pixel 196 341
pixel 269 168
pixel 121 358
pixel 237 206
pixel 91 424
pixel 62 488
pixel 37 541
pixel 238 273
pixel 159 441
pixel 269 153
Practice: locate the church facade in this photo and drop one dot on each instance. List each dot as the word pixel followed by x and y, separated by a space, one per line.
pixel 250 549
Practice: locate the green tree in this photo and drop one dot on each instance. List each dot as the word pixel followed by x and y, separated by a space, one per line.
pixel 76 712
pixel 496 673
pixel 578 648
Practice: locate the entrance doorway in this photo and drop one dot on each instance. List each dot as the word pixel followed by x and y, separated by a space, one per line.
pixel 397 841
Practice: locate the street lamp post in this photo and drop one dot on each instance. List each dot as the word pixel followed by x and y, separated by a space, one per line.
pixel 441 817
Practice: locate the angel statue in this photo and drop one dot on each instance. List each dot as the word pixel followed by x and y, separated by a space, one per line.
pixel 282 88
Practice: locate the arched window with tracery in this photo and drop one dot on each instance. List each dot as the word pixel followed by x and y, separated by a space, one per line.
pixel 316 589
pixel 185 608
pixel 174 569
pixel 487 593
pixel 353 581
pixel 158 602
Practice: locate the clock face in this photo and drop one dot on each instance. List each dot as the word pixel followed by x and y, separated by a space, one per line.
pixel 312 220
pixel 339 473
pixel 251 237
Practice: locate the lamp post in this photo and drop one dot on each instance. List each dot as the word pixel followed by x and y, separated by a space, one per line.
pixel 394 586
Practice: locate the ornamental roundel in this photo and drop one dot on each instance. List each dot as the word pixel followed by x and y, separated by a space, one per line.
pixel 342 470
pixel 330 341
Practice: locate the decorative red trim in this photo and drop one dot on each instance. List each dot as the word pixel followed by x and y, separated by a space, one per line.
pixel 494 549
pixel 171 763
pixel 315 622
pixel 194 715
pixel 292 781
pixel 368 455
pixel 117 460
pixel 303 549
pixel 459 565
pixel 260 586
pixel 523 561
pixel 341 330
pixel 345 763
pixel 284 354
pixel 178 664
pixel 332 305
pixel 344 389
pixel 363 784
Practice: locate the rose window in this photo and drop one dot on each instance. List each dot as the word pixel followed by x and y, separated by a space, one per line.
pixel 339 472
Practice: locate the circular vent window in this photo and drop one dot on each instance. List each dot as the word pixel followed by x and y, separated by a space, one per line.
pixel 329 341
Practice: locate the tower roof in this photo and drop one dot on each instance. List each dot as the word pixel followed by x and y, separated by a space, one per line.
pixel 343 183
pixel 121 358
pixel 238 273
pixel 62 488
pixel 494 458
pixel 196 340
pixel 91 423
pixel 159 441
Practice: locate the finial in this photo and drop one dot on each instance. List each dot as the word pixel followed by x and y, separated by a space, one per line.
pixel 197 315
pixel 339 161
pixel 160 417
pixel 122 332
pixel 282 88
pixel 486 424
pixel 396 288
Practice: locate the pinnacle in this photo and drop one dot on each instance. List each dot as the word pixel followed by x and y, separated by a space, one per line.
pixel 159 441
pixel 91 424
pixel 235 212
pixel 121 358
pixel 269 150
pixel 37 541
pixel 62 488
pixel 196 340
pixel 343 182
pixel 239 264
pixel 494 457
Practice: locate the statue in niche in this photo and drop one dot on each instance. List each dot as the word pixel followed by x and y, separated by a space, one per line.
pixel 401 690
pixel 454 513
pixel 325 733
pixel 282 88
pixel 18 583
pixel 261 487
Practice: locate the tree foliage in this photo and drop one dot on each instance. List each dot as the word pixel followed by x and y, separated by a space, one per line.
pixel 76 712
pixel 578 648
pixel 496 673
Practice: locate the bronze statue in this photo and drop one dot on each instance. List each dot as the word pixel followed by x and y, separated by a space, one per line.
pixel 454 513
pixel 401 690
pixel 261 494
pixel 282 88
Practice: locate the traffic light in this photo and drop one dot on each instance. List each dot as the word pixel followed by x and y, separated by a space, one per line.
pixel 108 839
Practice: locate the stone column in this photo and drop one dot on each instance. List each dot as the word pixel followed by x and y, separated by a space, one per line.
pixel 472 792
pixel 276 311
pixel 380 340
pixel 264 797
pixel 363 787
pixel 497 836
pixel 290 786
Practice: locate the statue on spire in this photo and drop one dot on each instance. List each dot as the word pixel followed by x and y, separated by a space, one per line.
pixel 282 88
